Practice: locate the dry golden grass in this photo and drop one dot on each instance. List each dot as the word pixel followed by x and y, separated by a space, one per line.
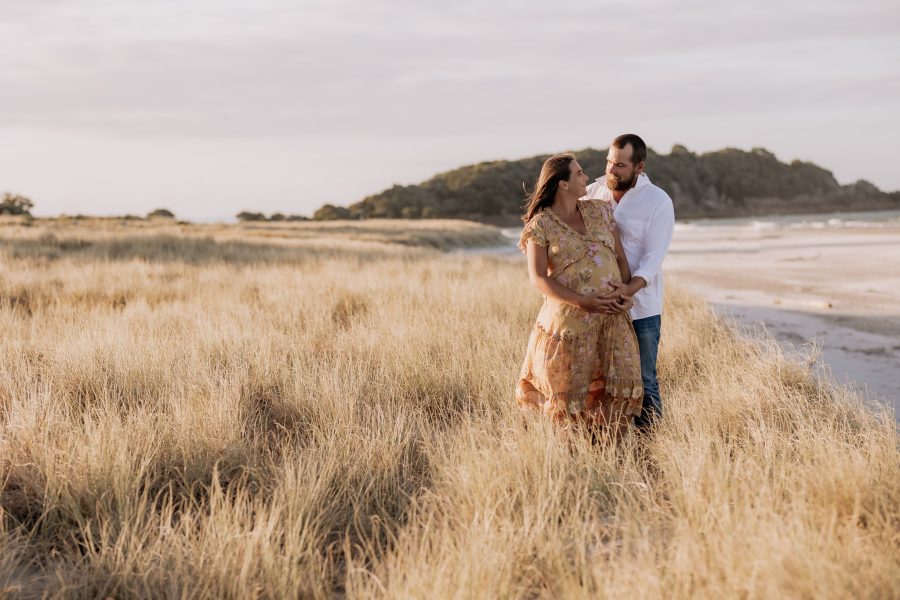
pixel 120 238
pixel 218 412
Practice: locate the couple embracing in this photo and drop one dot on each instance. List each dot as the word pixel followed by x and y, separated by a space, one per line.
pixel 595 253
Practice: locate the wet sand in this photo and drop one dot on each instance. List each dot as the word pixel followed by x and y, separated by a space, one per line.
pixel 837 287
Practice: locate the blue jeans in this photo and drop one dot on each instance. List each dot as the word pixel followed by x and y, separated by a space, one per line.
pixel 647 331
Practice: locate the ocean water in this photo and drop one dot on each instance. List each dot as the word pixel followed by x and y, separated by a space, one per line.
pixel 832 220
pixel 745 227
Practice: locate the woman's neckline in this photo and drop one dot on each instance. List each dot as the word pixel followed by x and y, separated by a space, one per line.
pixel 583 220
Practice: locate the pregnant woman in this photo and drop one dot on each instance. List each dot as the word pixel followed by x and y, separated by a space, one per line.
pixel 582 365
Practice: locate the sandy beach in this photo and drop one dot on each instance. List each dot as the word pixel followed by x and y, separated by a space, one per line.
pixel 829 281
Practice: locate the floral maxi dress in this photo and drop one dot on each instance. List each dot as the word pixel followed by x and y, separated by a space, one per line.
pixel 580 366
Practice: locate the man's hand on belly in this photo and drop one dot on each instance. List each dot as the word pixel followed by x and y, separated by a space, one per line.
pixel 623 294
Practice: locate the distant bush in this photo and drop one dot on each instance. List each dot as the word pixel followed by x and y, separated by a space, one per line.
pixel 161 213
pixel 275 217
pixel 14 204
pixel 250 216
pixel 330 212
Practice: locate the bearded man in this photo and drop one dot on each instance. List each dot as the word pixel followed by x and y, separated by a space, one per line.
pixel 645 218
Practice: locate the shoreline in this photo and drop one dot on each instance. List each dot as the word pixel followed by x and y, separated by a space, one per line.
pixel 852 353
pixel 835 287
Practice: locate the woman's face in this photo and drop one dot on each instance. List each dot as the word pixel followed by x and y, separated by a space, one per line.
pixel 578 180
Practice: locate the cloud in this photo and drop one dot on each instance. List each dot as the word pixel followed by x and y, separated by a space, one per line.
pixel 435 84
pixel 273 69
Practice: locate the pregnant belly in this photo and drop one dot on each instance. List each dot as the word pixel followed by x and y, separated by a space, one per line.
pixel 591 274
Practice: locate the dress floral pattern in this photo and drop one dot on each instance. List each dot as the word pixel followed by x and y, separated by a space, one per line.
pixel 580 366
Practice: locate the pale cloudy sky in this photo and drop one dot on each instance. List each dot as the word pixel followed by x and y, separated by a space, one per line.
pixel 210 107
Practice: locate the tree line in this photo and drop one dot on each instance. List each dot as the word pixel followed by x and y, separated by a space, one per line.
pixel 18 205
pixel 724 183
pixel 258 216
pixel 728 182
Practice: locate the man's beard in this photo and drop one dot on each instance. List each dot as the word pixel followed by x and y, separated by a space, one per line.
pixel 620 185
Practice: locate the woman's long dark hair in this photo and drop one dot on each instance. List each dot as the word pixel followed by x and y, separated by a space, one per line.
pixel 555 169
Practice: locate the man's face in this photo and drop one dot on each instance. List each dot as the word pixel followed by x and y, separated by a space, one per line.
pixel 578 180
pixel 621 173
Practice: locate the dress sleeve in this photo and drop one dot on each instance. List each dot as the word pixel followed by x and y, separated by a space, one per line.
pixel 534 230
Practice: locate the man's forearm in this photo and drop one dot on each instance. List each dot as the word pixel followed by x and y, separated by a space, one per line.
pixel 636 284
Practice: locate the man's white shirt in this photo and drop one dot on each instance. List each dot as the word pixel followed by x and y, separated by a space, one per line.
pixel 645 219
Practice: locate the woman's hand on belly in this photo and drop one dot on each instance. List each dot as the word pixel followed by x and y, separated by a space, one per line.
pixel 597 303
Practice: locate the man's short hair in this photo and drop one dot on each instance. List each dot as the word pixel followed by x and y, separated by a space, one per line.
pixel 638 147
